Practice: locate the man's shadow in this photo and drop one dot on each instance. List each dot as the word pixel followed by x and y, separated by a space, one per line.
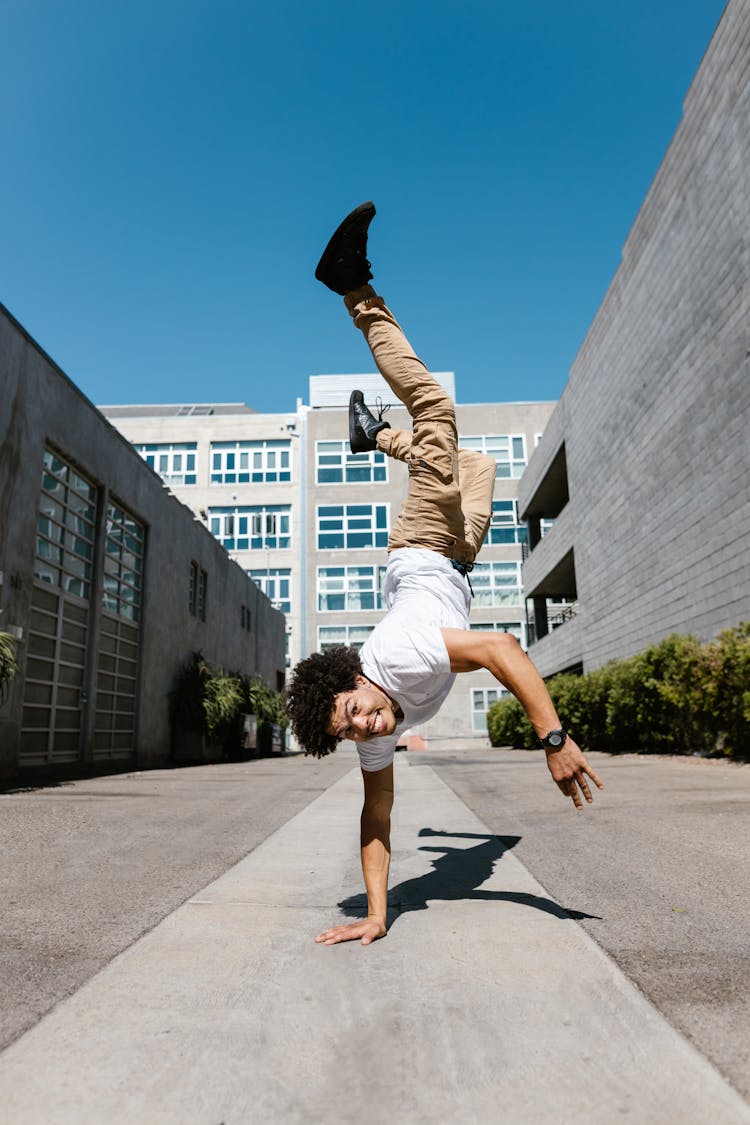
pixel 458 874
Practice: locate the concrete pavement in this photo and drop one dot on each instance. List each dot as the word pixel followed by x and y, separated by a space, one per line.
pixel 486 1002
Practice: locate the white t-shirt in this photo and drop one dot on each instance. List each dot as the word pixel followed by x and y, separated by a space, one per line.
pixel 405 654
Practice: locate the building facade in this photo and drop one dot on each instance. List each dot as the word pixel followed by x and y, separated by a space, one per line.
pixel 645 464
pixel 107 581
pixel 309 521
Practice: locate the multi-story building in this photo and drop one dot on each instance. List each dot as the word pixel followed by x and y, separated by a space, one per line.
pixel 644 466
pixel 309 522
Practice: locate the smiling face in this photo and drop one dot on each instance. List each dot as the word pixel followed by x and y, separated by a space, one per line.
pixel 362 714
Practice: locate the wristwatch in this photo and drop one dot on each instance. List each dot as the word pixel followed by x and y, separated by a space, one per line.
pixel 554 739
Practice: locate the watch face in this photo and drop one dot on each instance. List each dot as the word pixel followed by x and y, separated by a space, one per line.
pixel 555 739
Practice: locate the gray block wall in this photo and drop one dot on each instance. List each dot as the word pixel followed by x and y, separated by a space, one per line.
pixel 656 414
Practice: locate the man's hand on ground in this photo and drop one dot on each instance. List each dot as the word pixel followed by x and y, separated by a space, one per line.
pixel 369 930
pixel 569 770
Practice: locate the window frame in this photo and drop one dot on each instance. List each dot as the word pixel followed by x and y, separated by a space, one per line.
pixel 264 448
pixel 379 535
pixel 234 538
pixel 370 463
pixel 377 574
pixel 151 451
pixel 485 443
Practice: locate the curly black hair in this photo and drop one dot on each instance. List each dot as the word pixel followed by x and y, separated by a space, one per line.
pixel 315 682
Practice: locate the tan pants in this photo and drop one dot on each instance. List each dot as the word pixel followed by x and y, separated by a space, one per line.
pixel 449 503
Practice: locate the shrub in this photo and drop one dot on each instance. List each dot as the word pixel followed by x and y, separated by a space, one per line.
pixel 8 662
pixel 728 701
pixel 210 701
pixel 507 725
pixel 678 696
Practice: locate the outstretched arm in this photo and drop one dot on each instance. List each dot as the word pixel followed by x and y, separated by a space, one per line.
pixel 501 654
pixel 375 845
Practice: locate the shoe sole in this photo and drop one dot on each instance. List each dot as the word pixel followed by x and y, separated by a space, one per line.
pixel 327 257
pixel 352 419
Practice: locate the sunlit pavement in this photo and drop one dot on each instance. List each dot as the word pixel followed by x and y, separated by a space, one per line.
pixel 485 1003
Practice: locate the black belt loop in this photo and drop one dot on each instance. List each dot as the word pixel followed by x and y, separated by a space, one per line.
pixel 463 569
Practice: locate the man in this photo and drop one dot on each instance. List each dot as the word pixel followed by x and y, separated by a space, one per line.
pixel 407 666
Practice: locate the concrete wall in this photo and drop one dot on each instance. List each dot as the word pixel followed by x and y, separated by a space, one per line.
pixel 40 406
pixel 656 413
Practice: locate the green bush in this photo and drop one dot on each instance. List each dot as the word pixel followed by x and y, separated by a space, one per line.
pixel 262 701
pixel 210 701
pixel 728 701
pixel 8 662
pixel 678 696
pixel 507 725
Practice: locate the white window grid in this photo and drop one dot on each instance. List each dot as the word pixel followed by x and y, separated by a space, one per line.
pixel 65 527
pixel 351 588
pixel 509 451
pixel 175 462
pixel 253 528
pixel 353 635
pixel 251 462
pixel 336 464
pixel 123 564
pixel 276 584
pixel 505 526
pixel 497 583
pixel 351 526
pixel 481 701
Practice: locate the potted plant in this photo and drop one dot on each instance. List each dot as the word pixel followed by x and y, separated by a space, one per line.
pixel 8 663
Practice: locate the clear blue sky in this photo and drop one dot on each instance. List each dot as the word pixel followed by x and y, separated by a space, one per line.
pixel 171 172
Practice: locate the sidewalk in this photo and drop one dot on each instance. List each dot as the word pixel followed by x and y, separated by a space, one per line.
pixel 484 1004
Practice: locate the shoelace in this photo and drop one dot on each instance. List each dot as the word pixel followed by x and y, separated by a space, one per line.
pixel 380 408
pixel 463 569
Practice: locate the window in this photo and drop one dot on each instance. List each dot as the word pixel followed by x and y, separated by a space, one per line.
pixel 174 462
pixel 276 585
pixel 202 594
pixel 481 701
pixel 198 590
pixel 252 528
pixel 245 618
pixel 354 635
pixel 251 462
pixel 350 588
pixel 335 464
pixel 123 564
pixel 65 528
pixel 509 451
pixel 513 627
pixel 497 583
pixel 504 524
pixel 352 525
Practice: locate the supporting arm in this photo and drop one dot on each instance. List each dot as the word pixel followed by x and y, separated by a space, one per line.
pixel 375 851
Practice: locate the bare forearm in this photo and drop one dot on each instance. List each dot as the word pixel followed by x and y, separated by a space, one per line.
pixel 512 667
pixel 376 859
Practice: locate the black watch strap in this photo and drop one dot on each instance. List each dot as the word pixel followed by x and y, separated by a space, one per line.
pixel 554 739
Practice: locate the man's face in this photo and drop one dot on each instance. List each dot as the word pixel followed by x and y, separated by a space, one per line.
pixel 364 713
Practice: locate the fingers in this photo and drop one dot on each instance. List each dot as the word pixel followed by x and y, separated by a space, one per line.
pixel 569 787
pixel 594 777
pixel 346 933
pixel 337 934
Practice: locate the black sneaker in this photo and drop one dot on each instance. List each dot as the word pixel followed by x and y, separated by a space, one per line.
pixel 363 425
pixel 344 264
